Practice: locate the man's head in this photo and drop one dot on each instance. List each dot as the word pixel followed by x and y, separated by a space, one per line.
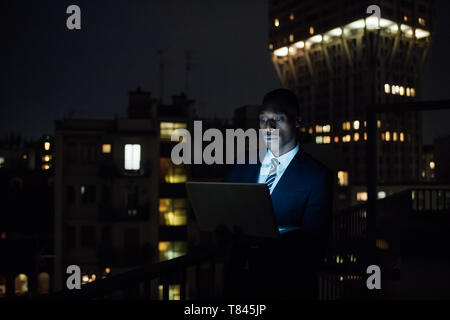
pixel 280 110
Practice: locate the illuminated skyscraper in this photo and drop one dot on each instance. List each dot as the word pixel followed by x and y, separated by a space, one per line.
pixel 339 59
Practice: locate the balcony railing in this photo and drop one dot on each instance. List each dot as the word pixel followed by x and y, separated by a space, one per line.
pixel 112 213
pixel 108 168
pixel 201 273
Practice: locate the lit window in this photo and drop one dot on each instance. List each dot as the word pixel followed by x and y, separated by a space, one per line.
pixel 92 277
pixel 2 286
pixel 382 136
pixel 421 21
pixel 106 148
pixel 319 139
pixel 171 249
pixel 432 165
pixel 402 91
pixel 382 244
pixel 276 23
pixel 107 270
pixel 46 158
pixel 271 46
pixel 45 166
pixel 171 173
pixel 326 128
pixel 160 292
pixel 381 194
pixel 2 162
pixel 132 156
pixel 378 124
pixel 173 212
pixel 356 136
pixel 346 125
pixel 326 139
pixel 310 131
pixel 302 129
pixel 361 196
pixel 408 92
pixel 365 135
pixel 291 37
pixel 21 284
pixel 405 18
pixel 46 146
pixel 3 236
pixel 311 30
pixel 413 92
pixel 84 279
pixel 388 136
pixel 342 178
pixel 168 128
pixel 25 157
pixel 394 136
pixel 336 139
pixel 356 125
pixel 318 129
pixel 402 136
pixel 347 138
pixel 174 292
pixel 291 16
pixel 387 88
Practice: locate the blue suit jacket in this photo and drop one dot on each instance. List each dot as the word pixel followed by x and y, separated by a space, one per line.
pixel 302 197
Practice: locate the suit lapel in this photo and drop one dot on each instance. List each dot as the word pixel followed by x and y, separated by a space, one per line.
pixel 289 177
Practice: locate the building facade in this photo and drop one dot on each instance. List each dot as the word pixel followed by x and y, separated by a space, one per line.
pixel 340 59
pixel 119 200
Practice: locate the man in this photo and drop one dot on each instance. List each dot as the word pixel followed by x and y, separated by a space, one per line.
pixel 301 192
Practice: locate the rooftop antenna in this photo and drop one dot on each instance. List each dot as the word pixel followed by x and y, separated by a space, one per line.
pixel 188 69
pixel 161 76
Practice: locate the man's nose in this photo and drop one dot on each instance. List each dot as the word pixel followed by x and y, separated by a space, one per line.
pixel 271 124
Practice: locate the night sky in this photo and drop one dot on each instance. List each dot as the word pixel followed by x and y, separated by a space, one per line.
pixel 49 72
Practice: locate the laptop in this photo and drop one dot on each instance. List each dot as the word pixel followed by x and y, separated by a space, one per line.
pixel 246 205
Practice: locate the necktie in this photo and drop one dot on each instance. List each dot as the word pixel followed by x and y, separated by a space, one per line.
pixel 272 173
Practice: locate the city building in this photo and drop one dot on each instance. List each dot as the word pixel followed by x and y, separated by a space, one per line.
pixel 428 164
pixel 26 235
pixel 119 200
pixel 340 59
pixel 441 164
pixel 18 153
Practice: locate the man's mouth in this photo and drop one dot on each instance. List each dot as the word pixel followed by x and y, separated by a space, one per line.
pixel 270 137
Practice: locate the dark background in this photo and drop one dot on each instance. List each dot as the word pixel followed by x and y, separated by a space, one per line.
pixel 49 72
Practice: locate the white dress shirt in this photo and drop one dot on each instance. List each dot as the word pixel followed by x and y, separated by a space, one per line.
pixel 284 161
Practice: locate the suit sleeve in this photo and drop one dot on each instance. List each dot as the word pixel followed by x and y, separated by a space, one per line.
pixel 312 239
pixel 234 173
pixel 316 224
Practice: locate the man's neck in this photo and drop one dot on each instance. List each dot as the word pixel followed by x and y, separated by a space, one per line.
pixel 285 149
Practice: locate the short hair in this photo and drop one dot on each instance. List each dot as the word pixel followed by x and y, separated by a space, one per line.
pixel 282 100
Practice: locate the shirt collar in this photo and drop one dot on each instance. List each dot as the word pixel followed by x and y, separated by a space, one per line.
pixel 284 159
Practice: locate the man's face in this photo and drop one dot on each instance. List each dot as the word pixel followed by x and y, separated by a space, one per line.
pixel 270 120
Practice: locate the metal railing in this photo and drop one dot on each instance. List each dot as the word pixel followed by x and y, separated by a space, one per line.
pixel 200 274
